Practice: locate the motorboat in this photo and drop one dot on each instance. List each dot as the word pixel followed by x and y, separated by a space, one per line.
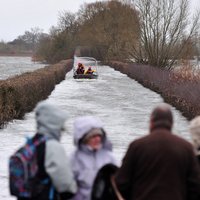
pixel 85 68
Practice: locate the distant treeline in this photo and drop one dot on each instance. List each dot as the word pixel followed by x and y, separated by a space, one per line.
pixel 101 30
pixel 7 49
pixel 150 32
pixel 180 89
pixel 23 45
pixel 20 94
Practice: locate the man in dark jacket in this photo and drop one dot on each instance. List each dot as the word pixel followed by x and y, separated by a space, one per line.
pixel 161 165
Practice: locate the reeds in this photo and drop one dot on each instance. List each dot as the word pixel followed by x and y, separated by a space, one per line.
pixel 20 94
pixel 178 88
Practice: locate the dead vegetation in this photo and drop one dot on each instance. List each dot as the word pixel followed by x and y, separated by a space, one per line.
pixel 180 88
pixel 20 94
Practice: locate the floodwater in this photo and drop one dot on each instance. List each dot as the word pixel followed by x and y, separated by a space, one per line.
pixel 12 66
pixel 121 103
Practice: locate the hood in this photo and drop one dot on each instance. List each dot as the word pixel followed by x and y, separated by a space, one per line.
pixel 50 119
pixel 82 125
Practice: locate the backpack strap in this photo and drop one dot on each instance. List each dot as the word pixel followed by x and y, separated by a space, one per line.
pixel 45 181
pixel 31 146
pixel 51 193
pixel 118 194
pixel 51 190
pixel 40 140
pixel 36 142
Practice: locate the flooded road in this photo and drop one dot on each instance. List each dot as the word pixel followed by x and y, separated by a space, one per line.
pixel 122 104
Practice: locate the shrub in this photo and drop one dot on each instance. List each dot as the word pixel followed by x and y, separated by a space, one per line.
pixel 20 94
pixel 180 89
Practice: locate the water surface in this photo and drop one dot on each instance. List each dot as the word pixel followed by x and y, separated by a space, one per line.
pixel 12 66
pixel 122 104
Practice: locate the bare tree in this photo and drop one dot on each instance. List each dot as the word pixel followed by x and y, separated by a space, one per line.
pixel 31 38
pixel 66 20
pixel 163 25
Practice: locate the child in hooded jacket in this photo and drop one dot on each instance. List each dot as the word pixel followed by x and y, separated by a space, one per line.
pixel 93 151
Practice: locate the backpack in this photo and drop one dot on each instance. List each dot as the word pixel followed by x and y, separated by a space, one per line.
pixel 23 168
pixel 103 187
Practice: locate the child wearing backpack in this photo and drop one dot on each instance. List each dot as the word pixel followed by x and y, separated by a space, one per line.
pixel 40 170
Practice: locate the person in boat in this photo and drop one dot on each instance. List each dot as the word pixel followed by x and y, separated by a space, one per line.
pixel 160 165
pixel 195 134
pixel 89 70
pixel 93 151
pixel 80 69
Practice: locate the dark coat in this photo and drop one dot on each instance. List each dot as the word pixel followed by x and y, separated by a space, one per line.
pixel 102 187
pixel 159 166
pixel 198 157
pixel 80 70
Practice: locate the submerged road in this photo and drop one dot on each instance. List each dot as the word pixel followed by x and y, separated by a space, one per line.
pixel 123 105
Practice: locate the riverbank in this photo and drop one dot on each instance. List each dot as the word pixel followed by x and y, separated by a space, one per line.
pixel 20 94
pixel 180 91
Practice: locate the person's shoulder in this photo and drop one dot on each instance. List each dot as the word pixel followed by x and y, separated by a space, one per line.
pixel 106 152
pixel 181 140
pixel 140 144
pixel 140 140
pixel 54 146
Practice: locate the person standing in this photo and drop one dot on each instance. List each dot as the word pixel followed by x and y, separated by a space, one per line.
pixel 93 151
pixel 161 165
pixel 53 179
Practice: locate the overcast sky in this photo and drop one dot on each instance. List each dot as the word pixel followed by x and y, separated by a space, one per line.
pixel 17 16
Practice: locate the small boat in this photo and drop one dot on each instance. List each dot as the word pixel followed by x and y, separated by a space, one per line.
pixel 85 68
pixel 87 76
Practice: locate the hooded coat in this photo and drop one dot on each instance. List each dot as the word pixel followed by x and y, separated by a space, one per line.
pixel 85 161
pixel 52 160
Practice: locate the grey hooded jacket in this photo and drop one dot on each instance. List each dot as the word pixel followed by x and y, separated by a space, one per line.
pixel 50 121
pixel 86 162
